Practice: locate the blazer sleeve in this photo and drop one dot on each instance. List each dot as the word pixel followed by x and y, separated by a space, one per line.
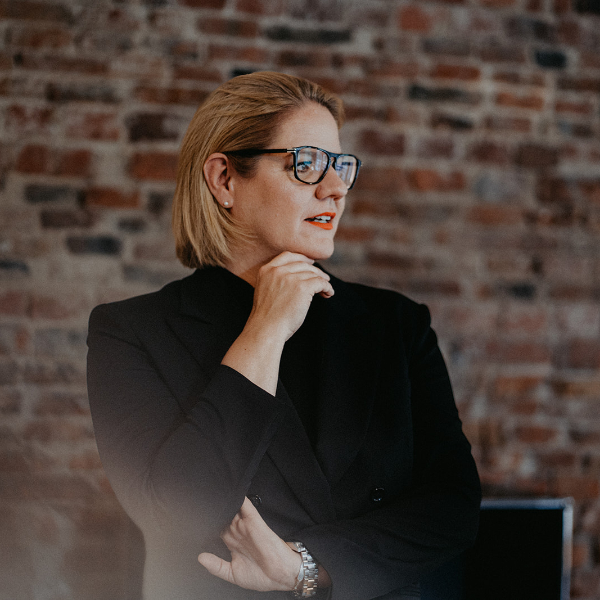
pixel 437 518
pixel 183 471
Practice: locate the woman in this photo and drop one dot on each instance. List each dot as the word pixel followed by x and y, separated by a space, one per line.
pixel 269 427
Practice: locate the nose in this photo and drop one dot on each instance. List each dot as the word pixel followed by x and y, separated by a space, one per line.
pixel 332 186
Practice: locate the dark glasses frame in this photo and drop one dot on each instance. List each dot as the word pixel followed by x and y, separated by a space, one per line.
pixel 332 158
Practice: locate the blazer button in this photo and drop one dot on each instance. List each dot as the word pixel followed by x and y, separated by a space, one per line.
pixel 377 494
pixel 255 499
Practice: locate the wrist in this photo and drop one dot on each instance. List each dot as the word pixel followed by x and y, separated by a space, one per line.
pixel 308 575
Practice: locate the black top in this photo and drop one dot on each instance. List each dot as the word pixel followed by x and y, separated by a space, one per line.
pixel 302 357
pixel 386 492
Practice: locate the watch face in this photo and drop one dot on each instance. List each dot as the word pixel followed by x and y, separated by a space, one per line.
pixel 299 546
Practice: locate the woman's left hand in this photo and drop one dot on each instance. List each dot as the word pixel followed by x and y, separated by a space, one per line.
pixel 260 559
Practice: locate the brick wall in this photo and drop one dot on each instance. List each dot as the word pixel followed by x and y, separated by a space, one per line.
pixel 478 123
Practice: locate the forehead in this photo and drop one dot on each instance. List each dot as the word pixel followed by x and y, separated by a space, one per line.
pixel 310 125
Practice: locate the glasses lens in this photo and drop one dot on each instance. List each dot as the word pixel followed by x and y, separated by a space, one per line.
pixel 311 164
pixel 346 166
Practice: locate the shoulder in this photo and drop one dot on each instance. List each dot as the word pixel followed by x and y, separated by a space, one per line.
pixel 146 307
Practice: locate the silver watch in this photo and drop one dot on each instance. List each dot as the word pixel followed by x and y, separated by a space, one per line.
pixel 308 574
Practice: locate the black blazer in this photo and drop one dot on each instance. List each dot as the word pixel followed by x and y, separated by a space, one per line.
pixel 389 493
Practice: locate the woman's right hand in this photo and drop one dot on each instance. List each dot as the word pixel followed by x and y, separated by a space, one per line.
pixel 284 291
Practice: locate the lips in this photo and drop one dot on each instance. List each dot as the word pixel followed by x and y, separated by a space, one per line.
pixel 324 220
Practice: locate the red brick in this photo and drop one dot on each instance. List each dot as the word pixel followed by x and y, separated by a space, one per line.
pixel 14 303
pixel 495 53
pixel 260 7
pixel 380 179
pixel 74 163
pixel 535 156
pixel 240 53
pixel 516 386
pixel 234 27
pixel 10 401
pixel 578 487
pixel 93 126
pixel 490 215
pixel 579 354
pixel 387 144
pixel 88 66
pixel 113 198
pixel 51 431
pixel 428 180
pixel 413 18
pixel 40 37
pixel 33 159
pixel 502 123
pixel 170 95
pixel 63 218
pixel 58 307
pixel 61 404
pixel 87 461
pixel 58 372
pixel 158 166
pixel 489 152
pixel 535 434
pixel 531 101
pixel 511 352
pixel 355 233
pixel 27 119
pixel 579 84
pixel 534 5
pixel 35 11
pixel 580 108
pixel 197 73
pixel 497 3
pixel 518 78
pixel 448 71
pixel 218 4
pixel 437 147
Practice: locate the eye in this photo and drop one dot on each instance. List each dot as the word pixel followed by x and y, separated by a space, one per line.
pixel 305 166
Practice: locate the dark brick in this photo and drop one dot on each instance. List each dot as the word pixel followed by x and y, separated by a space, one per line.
pixel 579 84
pixel 173 95
pixel 58 219
pixel 385 144
pixel 56 92
pixel 419 92
pixel 152 126
pixel 447 46
pixel 102 244
pixel 551 59
pixel 38 11
pixel 14 266
pixel 527 28
pixel 233 27
pixel 158 202
pixel 588 6
pixel 523 291
pixel 35 194
pixel 582 130
pixel 442 121
pixel 536 156
pixel 132 225
pixel 496 52
pixel 9 372
pixel 308 36
pixel 217 4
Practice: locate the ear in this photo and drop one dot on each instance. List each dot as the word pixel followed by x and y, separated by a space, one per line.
pixel 217 173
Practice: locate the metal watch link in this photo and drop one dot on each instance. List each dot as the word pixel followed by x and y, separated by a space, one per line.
pixel 308 575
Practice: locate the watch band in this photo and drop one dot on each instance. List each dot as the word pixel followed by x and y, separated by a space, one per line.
pixel 308 575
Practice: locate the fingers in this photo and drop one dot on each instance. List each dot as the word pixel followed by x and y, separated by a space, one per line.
pixel 216 566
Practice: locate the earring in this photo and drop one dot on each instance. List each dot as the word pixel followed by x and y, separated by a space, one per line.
pixel 225 203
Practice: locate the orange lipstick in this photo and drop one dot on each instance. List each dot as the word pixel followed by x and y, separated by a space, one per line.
pixel 324 220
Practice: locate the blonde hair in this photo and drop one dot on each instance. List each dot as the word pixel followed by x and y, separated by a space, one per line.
pixel 243 113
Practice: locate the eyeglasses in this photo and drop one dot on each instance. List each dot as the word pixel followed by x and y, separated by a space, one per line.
pixel 311 163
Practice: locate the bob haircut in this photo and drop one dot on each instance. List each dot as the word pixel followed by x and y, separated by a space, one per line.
pixel 243 113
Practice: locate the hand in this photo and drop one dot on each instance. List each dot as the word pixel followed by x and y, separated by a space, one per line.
pixel 260 559
pixel 284 291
